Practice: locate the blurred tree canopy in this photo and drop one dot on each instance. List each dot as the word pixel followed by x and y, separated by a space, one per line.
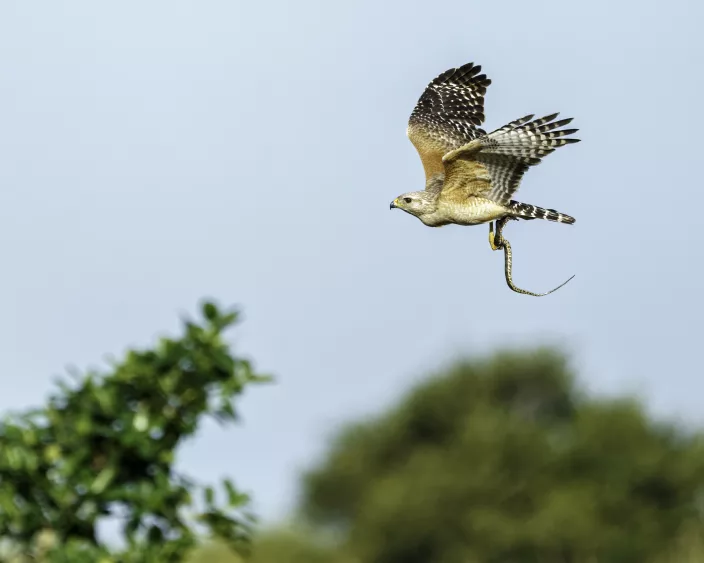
pixel 104 446
pixel 505 460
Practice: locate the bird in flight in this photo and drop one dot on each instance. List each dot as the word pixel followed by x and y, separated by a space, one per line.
pixel 470 175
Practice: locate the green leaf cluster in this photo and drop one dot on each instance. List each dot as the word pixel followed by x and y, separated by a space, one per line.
pixel 105 445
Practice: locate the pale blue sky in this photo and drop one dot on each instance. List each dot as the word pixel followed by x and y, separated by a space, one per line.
pixel 153 153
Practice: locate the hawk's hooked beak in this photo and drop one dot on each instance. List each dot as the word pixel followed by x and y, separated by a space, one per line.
pixel 394 203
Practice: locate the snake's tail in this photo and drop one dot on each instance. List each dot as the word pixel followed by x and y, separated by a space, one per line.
pixel 508 262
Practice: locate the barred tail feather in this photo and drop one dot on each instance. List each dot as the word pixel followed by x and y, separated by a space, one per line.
pixel 529 138
pixel 527 211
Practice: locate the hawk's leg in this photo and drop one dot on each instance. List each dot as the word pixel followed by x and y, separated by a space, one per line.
pixel 497 242
pixel 492 239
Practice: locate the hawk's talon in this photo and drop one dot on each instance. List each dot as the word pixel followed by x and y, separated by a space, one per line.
pixel 493 239
pixel 497 240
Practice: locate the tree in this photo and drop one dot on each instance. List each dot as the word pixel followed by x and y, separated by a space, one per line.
pixel 505 460
pixel 104 446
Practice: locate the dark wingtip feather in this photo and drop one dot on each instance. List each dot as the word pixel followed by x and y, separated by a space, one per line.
pixel 563 122
pixel 548 118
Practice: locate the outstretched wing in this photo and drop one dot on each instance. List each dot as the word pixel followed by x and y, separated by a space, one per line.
pixel 447 115
pixel 492 166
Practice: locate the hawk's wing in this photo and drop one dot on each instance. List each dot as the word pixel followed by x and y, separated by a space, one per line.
pixel 447 115
pixel 492 165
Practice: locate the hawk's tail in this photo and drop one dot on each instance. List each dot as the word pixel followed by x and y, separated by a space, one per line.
pixel 529 139
pixel 527 211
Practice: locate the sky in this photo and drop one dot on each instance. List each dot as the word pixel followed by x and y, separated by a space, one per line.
pixel 156 153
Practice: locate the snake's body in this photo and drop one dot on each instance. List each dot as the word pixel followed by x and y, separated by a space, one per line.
pixel 501 242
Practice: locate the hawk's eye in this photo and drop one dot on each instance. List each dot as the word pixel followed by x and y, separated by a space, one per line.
pixel 407 199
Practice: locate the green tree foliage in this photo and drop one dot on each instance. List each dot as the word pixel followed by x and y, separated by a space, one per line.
pixel 281 545
pixel 505 460
pixel 295 546
pixel 104 446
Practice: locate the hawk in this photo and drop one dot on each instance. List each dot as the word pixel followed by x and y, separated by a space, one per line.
pixel 470 175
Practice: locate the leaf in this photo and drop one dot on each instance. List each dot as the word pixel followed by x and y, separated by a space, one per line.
pixel 103 480
pixel 209 495
pixel 233 497
pixel 141 422
pixel 52 453
pixel 104 446
pixel 260 378
pixel 210 311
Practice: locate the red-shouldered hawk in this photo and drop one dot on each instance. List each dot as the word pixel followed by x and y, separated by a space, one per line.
pixel 471 176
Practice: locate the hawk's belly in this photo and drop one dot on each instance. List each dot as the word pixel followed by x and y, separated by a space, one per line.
pixel 475 211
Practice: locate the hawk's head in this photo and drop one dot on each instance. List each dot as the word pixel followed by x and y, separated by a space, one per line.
pixel 415 203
